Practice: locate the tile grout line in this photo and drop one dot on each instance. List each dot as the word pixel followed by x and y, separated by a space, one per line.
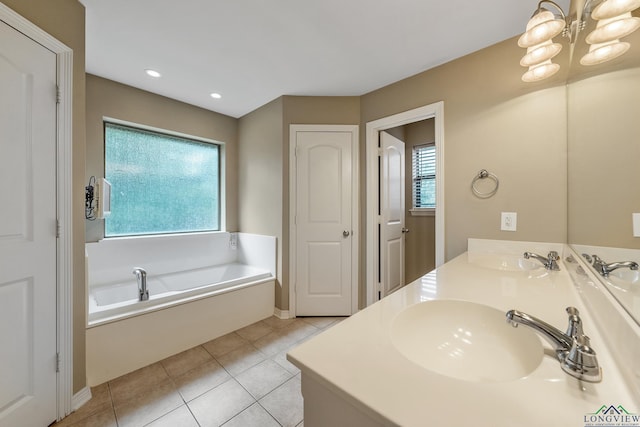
pixel 113 406
pixel 301 329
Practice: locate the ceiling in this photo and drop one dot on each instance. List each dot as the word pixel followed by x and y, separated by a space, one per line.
pixel 253 51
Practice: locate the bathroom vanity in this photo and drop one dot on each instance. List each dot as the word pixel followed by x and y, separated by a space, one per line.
pixel 440 352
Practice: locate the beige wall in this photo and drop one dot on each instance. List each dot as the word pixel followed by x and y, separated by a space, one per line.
pixel 603 104
pixel 260 178
pixel 604 167
pixel 493 121
pixel 106 98
pixel 64 20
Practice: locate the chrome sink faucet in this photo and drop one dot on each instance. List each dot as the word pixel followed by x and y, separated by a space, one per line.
pixel 550 262
pixel 604 269
pixel 572 348
pixel 141 278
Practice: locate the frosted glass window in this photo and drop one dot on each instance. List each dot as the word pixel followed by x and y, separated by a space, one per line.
pixel 160 183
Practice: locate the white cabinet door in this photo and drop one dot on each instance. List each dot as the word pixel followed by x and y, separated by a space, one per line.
pixel 323 222
pixel 392 214
pixel 27 231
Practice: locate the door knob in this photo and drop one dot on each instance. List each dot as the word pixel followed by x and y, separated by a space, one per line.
pixel 405 230
pixel 345 233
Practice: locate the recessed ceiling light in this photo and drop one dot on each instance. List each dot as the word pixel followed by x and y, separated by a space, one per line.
pixel 152 73
pixel 215 95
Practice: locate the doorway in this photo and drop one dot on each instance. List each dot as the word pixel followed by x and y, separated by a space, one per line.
pixel 375 256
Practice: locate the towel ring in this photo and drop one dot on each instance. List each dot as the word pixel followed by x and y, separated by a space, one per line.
pixel 484 174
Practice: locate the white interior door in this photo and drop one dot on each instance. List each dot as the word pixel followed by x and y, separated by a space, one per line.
pixel 27 231
pixel 391 214
pixel 323 222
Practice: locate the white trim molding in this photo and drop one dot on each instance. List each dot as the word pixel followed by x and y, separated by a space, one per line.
pixel 281 314
pixel 64 201
pixel 422 212
pixel 436 112
pixel 80 398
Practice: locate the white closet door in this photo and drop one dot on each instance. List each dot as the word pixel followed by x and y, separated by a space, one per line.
pixel 323 219
pixel 27 231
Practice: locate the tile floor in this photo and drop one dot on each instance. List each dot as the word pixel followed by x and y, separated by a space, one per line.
pixel 241 379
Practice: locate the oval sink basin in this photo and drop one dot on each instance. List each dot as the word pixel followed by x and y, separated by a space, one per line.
pixel 504 262
pixel 467 341
pixel 625 276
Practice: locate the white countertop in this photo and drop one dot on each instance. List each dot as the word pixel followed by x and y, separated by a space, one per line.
pixel 357 361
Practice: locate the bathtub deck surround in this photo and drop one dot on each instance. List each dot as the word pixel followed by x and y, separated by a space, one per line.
pixel 364 370
pixel 201 286
pixel 241 379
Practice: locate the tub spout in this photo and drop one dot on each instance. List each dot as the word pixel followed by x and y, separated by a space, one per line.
pixel 141 278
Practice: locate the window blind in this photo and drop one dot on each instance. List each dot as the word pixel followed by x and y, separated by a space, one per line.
pixel 424 176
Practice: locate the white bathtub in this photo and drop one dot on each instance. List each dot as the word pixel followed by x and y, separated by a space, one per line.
pixel 201 286
pixel 118 300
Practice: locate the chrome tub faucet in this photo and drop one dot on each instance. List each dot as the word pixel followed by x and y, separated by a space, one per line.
pixel 604 269
pixel 550 262
pixel 572 348
pixel 141 278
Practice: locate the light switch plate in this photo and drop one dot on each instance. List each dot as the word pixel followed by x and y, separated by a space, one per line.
pixel 509 221
pixel 636 224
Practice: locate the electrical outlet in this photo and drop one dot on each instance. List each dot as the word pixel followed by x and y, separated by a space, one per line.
pixel 509 221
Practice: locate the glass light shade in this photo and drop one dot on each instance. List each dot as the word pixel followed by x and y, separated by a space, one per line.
pixel 540 53
pixel 541 27
pixel 540 72
pixel 615 28
pixel 599 53
pixel 612 8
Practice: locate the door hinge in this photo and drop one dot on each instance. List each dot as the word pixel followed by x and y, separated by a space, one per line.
pixel 57 228
pixel 57 362
pixel 58 94
pixel 380 151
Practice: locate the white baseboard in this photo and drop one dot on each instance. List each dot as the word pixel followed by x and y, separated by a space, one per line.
pixel 80 398
pixel 282 314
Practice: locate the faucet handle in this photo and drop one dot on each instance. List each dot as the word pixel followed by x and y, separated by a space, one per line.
pixel 574 329
pixel 581 361
pixel 552 261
